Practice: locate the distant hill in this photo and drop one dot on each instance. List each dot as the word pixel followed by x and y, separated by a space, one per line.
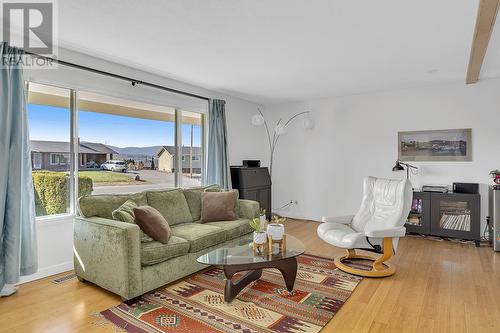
pixel 136 151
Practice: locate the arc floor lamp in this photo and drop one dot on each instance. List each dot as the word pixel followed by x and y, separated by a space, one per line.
pixel 279 129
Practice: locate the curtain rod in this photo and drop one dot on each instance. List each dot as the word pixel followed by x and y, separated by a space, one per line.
pixel 117 76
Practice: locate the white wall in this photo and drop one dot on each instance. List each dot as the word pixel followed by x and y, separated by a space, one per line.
pixel 355 136
pixel 55 237
pixel 55 247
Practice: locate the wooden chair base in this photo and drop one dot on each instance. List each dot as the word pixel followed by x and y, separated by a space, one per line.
pixel 388 270
pixel 380 268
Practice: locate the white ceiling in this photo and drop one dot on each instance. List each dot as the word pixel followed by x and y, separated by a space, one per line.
pixel 279 51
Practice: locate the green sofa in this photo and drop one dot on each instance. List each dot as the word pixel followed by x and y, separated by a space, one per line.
pixel 112 254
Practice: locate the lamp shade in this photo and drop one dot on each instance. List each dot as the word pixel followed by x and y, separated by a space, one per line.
pixel 257 120
pixel 280 129
pixel 398 167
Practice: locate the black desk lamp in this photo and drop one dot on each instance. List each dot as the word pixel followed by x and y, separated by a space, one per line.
pixel 400 167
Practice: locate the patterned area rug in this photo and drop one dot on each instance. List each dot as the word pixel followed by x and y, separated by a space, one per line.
pixel 196 304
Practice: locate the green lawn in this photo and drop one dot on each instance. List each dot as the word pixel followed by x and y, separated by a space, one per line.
pixel 107 177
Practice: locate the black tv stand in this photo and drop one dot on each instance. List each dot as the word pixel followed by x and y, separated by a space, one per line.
pixel 452 215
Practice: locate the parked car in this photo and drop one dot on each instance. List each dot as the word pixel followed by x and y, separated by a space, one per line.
pixel 114 166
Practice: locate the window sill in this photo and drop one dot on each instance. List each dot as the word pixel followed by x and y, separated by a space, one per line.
pixel 54 219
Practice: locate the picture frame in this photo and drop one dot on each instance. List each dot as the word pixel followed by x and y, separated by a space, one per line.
pixel 435 145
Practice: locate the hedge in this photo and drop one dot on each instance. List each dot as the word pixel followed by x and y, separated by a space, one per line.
pixel 52 189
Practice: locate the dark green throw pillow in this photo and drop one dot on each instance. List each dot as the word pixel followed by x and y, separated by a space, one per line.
pixel 125 213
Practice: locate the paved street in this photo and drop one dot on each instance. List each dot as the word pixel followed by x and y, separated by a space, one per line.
pixel 154 180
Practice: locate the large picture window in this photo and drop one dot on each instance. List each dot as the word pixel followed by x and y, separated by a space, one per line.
pixel 113 131
pixel 111 145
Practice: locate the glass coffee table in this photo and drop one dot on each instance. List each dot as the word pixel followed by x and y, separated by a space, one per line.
pixel 242 258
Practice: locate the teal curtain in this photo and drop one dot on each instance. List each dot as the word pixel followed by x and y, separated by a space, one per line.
pixel 217 159
pixel 18 247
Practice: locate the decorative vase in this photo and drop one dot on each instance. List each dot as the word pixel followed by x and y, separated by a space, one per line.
pixel 259 237
pixel 276 231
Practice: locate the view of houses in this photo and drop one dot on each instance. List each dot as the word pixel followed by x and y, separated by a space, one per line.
pixel 54 156
pixel 190 161
pixel 137 169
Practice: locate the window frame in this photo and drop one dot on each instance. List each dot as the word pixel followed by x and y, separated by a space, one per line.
pixel 36 155
pixel 63 161
pixel 74 161
pixel 50 159
pixel 202 155
pixel 71 192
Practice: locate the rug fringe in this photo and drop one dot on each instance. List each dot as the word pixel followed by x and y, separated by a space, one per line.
pixel 101 321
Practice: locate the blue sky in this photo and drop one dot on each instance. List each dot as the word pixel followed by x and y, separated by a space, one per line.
pixel 52 124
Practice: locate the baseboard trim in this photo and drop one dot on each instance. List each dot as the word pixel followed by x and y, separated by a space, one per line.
pixel 47 271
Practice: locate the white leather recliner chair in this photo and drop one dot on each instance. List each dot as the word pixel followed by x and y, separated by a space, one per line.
pixel 376 227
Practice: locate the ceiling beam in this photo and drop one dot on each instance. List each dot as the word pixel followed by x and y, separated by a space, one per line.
pixel 485 22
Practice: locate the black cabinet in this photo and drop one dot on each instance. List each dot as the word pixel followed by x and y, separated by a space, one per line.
pixel 455 215
pixel 419 219
pixel 253 184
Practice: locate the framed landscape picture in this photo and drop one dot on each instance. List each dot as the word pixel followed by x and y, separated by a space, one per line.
pixel 435 145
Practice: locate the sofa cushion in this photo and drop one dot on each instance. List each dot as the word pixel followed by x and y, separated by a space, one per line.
pixel 193 198
pixel 103 205
pixel 152 223
pixel 156 252
pixel 218 206
pixel 234 229
pixel 171 204
pixel 200 236
pixel 125 213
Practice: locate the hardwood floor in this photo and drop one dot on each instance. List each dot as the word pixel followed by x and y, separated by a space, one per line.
pixel 438 287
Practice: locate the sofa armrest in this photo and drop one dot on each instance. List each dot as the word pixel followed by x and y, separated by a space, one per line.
pixel 248 209
pixel 107 253
pixel 338 219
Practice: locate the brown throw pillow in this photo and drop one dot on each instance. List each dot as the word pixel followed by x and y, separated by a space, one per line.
pixel 152 223
pixel 218 206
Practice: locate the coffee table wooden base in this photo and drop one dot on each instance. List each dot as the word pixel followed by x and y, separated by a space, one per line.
pixel 287 267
